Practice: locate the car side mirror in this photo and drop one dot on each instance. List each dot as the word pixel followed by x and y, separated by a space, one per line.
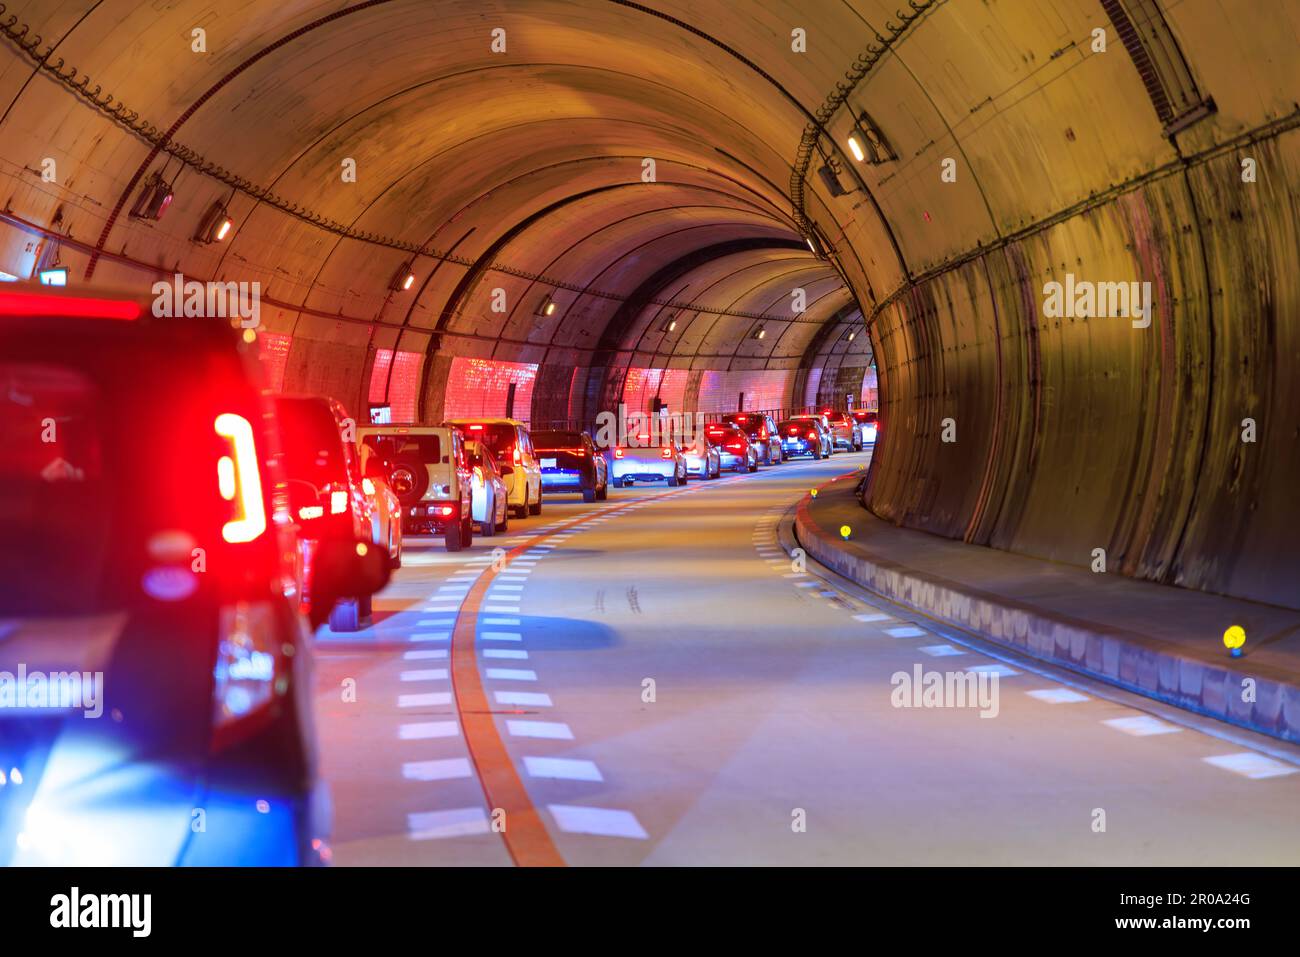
pixel 345 569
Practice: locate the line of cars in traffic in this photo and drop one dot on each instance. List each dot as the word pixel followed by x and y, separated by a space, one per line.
pixel 171 535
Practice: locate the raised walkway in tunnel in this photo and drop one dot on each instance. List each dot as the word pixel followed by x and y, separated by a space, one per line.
pixel 1157 640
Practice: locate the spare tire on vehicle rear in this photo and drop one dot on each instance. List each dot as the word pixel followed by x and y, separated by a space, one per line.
pixel 409 479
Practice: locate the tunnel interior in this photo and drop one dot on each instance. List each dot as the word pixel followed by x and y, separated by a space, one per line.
pixel 552 208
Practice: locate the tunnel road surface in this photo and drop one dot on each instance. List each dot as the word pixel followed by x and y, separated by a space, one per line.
pixel 650 680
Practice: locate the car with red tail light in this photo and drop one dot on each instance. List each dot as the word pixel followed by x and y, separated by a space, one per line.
pixel 570 462
pixel 148 554
pixel 762 432
pixel 513 447
pixel 432 479
pixel 735 451
pixel 641 461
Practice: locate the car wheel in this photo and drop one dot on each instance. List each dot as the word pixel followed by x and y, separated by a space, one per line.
pixel 488 527
pixel 536 507
pixel 454 537
pixel 589 495
pixel 345 615
pixel 602 493
pixel 672 480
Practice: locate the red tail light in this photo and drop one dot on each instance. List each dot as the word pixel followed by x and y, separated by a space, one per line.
pixel 736 446
pixel 515 455
pixel 794 430
pixel 239 479
pixel 762 433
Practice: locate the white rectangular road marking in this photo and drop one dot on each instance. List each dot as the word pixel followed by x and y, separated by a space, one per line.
pixel 425 674
pixel 502 608
pixel 904 632
pixel 451 590
pixel 501 636
pixel 501 621
pixel 459 822
pixel 1142 725
pixel 1002 671
pixel 424 654
pixel 1057 695
pixel 555 730
pixel 504 653
pixel 1251 764
pixel 435 622
pixel 430 636
pixel 805 584
pixel 445 769
pixel 575 819
pixel 871 617
pixel 513 577
pixel 536 699
pixel 422 730
pixel 940 651
pixel 498 587
pixel 567 769
pixel 795 575
pixel 512 674
pixel 424 700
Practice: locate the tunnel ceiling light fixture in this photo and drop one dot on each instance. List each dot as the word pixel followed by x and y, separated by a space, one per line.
pixel 853 335
pixel 403 279
pixel 670 325
pixel 215 225
pixel 154 198
pixel 855 147
pixel 760 332
pixel 547 306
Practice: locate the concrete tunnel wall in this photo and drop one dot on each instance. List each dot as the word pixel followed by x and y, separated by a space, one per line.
pixel 523 171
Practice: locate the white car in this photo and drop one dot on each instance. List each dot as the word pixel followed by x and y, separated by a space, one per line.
pixel 489 497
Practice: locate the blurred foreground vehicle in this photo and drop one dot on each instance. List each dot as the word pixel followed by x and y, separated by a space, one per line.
pixel 431 477
pixel 147 575
pixel 385 507
pixel 570 462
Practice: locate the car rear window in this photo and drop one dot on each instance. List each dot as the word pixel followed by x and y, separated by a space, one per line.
pixel 312 444
pixel 424 448
pixel 499 437
pixel 553 441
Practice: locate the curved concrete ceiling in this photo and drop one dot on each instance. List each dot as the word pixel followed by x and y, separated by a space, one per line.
pixel 1013 147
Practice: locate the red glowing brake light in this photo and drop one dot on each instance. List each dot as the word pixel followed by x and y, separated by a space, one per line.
pixel 476 428
pixel 762 432
pixel 239 480
pixel 516 456
pixel 34 304
pixel 794 430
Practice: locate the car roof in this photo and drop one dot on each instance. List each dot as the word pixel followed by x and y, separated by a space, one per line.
pixel 485 420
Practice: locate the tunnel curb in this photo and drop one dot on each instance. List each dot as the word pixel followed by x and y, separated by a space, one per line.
pixel 1129 660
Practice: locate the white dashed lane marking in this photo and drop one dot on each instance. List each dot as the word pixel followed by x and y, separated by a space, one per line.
pixel 425 674
pixel 1141 725
pixel 556 730
pixel 533 698
pixel 940 651
pixel 1057 695
pixel 423 730
pixel 441 770
pixel 512 674
pixel 457 822
pixel 904 632
pixel 603 822
pixel 432 699
pixel 1249 764
pixel 568 769
pixel 504 653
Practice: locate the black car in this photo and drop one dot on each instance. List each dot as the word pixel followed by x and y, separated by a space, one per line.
pixel 571 462
pixel 762 432
pixel 147 556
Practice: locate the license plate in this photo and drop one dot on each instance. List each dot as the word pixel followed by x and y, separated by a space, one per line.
pixel 548 463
